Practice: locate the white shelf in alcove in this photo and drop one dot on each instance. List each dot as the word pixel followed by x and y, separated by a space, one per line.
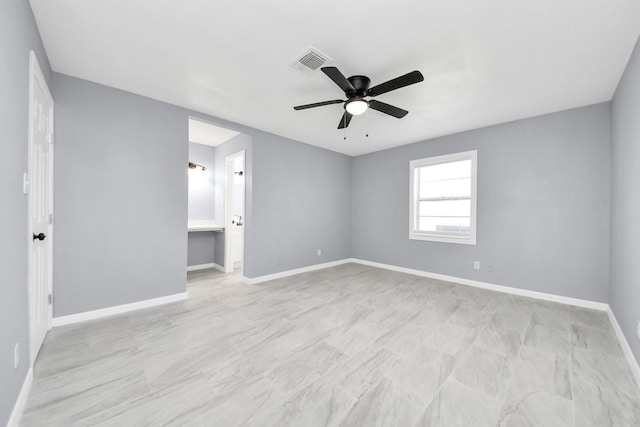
pixel 194 226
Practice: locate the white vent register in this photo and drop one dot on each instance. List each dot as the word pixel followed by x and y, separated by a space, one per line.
pixel 311 59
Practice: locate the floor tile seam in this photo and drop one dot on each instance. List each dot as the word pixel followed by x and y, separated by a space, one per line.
pixel 394 352
pixel 481 393
pixel 615 390
pixel 58 349
pixel 311 371
pixel 389 377
pixel 406 390
pixel 41 394
pixel 569 359
pixel 371 387
pixel 606 354
pixel 512 376
pixel 607 331
pixel 511 373
pixel 505 329
pixel 349 356
pixel 157 387
pixel 610 335
pixel 58 371
pixel 75 394
pixel 550 352
pixel 573 394
pixel 504 355
pixel 529 393
pixel 453 369
pixel 121 404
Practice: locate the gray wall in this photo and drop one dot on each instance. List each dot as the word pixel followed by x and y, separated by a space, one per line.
pixel 18 35
pixel 202 193
pixel 121 197
pixel 121 170
pixel 625 202
pixel 201 247
pixel 301 203
pixel 543 205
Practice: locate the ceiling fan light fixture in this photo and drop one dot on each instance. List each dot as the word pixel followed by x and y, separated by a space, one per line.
pixel 356 107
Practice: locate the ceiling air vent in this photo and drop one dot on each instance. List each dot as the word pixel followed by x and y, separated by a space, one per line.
pixel 311 59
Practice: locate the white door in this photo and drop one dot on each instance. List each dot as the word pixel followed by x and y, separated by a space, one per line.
pixel 40 207
pixel 234 163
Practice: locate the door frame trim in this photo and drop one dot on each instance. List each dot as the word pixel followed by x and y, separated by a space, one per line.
pixel 35 75
pixel 228 226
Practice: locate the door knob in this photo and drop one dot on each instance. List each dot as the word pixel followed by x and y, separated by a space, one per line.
pixel 40 236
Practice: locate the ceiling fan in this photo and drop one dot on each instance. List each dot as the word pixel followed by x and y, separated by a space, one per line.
pixel 356 89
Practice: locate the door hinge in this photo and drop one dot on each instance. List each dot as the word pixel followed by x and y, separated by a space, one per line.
pixel 50 137
pixel 50 299
pixel 25 183
pixel 50 218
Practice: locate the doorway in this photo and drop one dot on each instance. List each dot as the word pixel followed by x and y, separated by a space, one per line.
pixel 234 212
pixel 39 185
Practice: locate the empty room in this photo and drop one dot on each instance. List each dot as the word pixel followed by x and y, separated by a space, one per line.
pixel 243 213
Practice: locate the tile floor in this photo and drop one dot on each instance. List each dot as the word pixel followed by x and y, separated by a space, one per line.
pixel 346 346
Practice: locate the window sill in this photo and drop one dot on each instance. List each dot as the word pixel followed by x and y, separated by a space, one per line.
pixel 471 240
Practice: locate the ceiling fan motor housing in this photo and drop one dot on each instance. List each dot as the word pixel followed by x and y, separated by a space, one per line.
pixel 360 84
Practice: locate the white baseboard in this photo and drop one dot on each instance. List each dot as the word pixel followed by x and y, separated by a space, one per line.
pixel 628 354
pixel 484 285
pixel 280 275
pixel 118 309
pixel 205 266
pixel 490 286
pixel 21 402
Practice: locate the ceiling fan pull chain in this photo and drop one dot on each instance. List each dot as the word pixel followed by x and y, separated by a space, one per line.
pixel 366 135
pixel 345 127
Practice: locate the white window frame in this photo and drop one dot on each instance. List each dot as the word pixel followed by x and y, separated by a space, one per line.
pixel 413 198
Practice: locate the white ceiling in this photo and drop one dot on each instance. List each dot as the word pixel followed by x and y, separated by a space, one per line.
pixel 484 62
pixel 208 134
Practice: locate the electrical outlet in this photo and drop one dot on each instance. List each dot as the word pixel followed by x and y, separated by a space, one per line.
pixel 276 261
pixel 319 252
pixel 476 265
pixel 16 355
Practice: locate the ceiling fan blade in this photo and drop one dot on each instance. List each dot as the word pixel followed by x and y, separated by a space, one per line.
pixel 338 78
pixel 388 109
pixel 345 120
pixel 318 104
pixel 402 81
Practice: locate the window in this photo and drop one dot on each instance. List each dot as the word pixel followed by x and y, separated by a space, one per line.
pixel 443 198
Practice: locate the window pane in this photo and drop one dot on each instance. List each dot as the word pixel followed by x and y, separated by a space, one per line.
pixel 449 188
pixel 445 224
pixel 444 208
pixel 443 198
pixel 439 172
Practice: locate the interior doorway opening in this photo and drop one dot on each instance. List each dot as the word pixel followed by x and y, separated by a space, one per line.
pixel 217 214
